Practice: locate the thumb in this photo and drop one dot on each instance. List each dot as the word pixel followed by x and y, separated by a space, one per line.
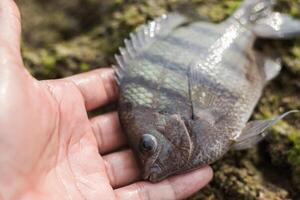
pixel 10 33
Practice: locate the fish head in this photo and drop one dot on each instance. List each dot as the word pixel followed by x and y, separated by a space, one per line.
pixel 164 147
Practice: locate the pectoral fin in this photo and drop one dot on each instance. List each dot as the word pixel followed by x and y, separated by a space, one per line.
pixel 255 131
pixel 277 26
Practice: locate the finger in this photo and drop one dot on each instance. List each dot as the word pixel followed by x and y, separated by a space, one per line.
pixel 97 87
pixel 177 187
pixel 10 31
pixel 122 168
pixel 107 130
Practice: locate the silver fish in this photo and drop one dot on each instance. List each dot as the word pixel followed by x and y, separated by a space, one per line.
pixel 189 88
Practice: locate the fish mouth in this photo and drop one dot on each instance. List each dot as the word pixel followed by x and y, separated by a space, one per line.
pixel 147 175
pixel 152 173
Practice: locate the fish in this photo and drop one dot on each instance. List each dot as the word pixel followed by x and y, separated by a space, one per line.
pixel 188 88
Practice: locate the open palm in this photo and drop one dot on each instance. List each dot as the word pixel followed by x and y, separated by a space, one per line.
pixel 49 147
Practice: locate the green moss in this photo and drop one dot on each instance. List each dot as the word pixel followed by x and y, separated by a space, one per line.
pixel 294 152
pixel 84 67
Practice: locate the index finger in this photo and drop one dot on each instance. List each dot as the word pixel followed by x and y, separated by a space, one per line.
pixel 98 87
pixel 10 26
pixel 177 187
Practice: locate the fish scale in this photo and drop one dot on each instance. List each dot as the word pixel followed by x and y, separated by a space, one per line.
pixel 187 89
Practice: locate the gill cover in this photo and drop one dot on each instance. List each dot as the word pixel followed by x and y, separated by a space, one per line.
pixel 176 132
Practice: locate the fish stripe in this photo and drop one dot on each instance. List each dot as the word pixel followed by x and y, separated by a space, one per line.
pixel 153 86
pixel 175 66
pixel 212 85
pixel 197 49
pixel 208 30
pixel 184 44
pixel 162 61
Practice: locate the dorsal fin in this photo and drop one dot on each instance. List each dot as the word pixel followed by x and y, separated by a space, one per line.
pixel 143 37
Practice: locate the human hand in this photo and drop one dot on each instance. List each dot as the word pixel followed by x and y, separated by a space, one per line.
pixel 49 147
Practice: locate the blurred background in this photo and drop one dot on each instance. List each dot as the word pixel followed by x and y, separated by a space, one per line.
pixel 61 38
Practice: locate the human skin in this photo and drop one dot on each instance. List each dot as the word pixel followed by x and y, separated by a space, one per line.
pixel 49 147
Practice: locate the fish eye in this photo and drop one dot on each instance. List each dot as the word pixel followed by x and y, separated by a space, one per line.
pixel 148 143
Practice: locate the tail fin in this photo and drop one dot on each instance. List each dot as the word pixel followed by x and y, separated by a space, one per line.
pixel 277 26
pixel 265 22
pixel 253 10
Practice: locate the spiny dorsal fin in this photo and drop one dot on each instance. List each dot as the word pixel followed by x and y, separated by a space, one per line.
pixel 143 38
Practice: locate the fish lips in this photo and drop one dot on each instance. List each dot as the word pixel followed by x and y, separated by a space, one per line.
pixel 153 173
